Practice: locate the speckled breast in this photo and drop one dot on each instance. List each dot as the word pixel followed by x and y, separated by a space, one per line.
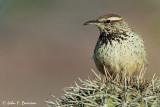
pixel 121 53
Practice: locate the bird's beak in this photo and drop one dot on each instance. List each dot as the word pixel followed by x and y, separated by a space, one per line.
pixel 92 22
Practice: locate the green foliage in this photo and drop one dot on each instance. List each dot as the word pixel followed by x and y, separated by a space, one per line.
pixel 134 91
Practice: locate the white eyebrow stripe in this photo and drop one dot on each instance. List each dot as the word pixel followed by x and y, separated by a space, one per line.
pixel 114 18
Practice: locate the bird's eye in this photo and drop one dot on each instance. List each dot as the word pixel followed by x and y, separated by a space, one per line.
pixel 107 21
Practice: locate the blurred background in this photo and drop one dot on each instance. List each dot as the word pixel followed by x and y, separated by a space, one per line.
pixel 45 47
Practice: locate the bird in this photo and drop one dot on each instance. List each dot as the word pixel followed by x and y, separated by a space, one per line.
pixel 119 48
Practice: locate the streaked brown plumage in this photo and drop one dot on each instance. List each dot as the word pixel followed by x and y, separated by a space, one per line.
pixel 118 48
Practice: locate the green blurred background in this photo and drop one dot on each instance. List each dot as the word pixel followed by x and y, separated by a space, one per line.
pixel 45 47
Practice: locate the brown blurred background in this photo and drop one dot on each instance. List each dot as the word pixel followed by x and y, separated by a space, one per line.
pixel 45 47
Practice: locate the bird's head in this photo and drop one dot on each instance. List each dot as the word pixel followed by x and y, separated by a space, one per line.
pixel 109 23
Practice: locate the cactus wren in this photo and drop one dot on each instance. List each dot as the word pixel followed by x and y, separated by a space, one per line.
pixel 118 48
